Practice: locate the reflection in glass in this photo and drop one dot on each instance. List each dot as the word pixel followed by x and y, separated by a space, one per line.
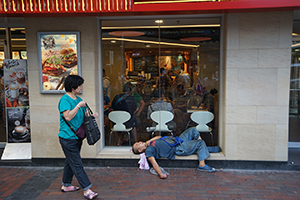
pixel 170 66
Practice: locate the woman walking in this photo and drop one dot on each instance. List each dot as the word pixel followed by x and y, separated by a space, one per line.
pixel 72 109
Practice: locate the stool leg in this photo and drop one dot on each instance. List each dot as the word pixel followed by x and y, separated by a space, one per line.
pixel 212 138
pixel 110 137
pixel 187 125
pixel 129 138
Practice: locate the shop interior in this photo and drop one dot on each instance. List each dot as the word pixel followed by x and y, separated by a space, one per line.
pixel 146 53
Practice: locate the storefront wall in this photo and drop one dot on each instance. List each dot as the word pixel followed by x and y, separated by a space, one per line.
pixel 254 94
pixel 256 78
pixel 44 116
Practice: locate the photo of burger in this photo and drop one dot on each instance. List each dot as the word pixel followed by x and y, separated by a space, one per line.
pixel 68 57
pixel 52 66
pixel 59 55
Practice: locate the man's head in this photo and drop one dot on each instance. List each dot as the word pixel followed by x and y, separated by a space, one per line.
pixel 180 89
pixel 158 93
pixel 139 147
pixel 162 71
pixel 213 91
pixel 127 87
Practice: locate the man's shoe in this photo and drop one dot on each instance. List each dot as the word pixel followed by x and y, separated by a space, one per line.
pixel 206 168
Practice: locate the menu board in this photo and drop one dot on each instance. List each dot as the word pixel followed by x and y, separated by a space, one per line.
pixel 149 64
pixel 24 55
pixel 58 58
pixel 1 58
pixel 17 100
pixel 15 55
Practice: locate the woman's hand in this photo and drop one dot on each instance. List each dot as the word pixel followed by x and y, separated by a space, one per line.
pixel 81 103
pixel 95 115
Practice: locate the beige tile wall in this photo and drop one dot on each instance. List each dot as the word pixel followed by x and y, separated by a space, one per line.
pixel 256 76
pixel 43 107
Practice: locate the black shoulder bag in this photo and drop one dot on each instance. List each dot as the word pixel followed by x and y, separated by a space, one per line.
pixel 91 128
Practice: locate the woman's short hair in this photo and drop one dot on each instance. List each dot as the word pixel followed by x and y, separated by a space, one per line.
pixel 73 82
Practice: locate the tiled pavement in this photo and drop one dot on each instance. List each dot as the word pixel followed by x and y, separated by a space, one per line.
pixel 131 183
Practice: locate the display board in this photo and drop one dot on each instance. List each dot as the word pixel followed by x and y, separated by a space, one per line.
pixel 17 100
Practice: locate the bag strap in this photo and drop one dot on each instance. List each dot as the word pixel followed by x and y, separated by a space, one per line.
pixel 177 141
pixel 89 109
pixel 68 124
pixel 62 115
pixel 121 98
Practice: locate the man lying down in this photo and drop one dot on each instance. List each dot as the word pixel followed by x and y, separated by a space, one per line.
pixel 188 143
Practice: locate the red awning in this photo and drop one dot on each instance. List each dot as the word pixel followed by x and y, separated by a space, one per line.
pixel 112 7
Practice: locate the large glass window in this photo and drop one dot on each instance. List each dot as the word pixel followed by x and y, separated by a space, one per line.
pixel 153 65
pixel 294 111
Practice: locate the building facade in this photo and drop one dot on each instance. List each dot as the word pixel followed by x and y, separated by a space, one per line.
pixel 250 57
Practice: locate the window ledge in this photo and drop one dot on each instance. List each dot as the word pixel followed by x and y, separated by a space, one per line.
pixel 125 153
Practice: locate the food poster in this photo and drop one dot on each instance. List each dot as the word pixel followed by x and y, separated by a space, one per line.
pixel 15 55
pixel 1 58
pixel 17 100
pixel 59 58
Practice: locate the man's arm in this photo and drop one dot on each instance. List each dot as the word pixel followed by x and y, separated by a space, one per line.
pixel 157 168
pixel 141 108
pixel 152 139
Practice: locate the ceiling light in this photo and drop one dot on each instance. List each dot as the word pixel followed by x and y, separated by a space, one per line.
pixel 296 45
pixel 159 21
pixel 18 39
pixel 152 42
pixel 113 41
pixel 177 26
pixel 147 45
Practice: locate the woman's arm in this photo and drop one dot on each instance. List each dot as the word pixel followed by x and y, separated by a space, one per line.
pixel 70 114
pixel 107 106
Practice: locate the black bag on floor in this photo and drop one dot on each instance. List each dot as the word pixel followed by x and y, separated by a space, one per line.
pixel 91 128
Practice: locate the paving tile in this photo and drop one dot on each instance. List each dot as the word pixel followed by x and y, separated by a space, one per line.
pixel 131 183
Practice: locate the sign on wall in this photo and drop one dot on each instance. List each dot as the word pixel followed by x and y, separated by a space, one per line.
pixel 59 56
pixel 17 100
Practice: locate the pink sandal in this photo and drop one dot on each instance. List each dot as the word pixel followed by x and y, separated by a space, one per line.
pixel 69 189
pixel 91 195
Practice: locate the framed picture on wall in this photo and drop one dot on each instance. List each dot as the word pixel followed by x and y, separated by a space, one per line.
pixel 59 57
